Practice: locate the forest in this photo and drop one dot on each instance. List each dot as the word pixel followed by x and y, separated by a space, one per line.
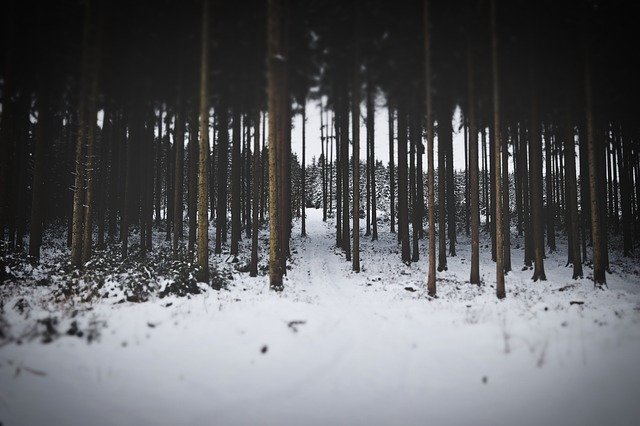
pixel 180 178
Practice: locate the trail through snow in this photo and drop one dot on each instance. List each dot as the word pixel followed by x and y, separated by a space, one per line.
pixel 338 347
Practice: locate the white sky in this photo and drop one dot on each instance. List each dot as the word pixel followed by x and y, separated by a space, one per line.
pixel 381 136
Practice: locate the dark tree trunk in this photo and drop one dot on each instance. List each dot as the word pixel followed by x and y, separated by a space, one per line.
pixel 42 128
pixel 203 145
pixel 403 205
pixel 444 132
pixel 497 140
pixel 192 180
pixel 222 164
pixel 257 173
pixel 178 179
pixel 236 195
pixel 276 97
pixel 392 178
pixel 303 200
pixel 593 151
pixel 550 207
pixel 572 198
pixel 372 159
pixel 431 274
pixel 474 196
pixel 535 157
pixel 414 140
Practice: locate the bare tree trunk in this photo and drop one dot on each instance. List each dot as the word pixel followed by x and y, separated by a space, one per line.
pixel 192 178
pixel 506 211
pixel 304 169
pixel 474 196
pixel 257 173
pixel 372 156
pixel 572 197
pixel 431 274
pixel 500 290
pixel 344 163
pixel 275 71
pixel 442 236
pixel 414 139
pixel 203 173
pixel 392 178
pixel 535 157
pixel 35 234
pixel 403 205
pixel 550 210
pixel 355 132
pixel 599 275
pixel 235 184
pixel 223 160
pixel 91 135
pixel 323 164
pixel 78 186
pixel 124 219
pixel 178 178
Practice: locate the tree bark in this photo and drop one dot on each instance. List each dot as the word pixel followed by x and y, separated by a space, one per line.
pixel 203 173
pixel 500 290
pixel 474 196
pixel 599 275
pixel 275 70
pixel 257 173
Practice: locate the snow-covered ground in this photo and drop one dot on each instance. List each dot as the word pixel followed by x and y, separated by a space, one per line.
pixel 336 347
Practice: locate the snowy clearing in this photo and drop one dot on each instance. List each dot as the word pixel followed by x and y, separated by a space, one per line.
pixel 337 347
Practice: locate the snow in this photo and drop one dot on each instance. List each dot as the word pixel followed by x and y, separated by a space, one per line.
pixel 336 347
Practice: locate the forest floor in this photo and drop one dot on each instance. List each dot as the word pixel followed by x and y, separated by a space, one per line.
pixel 335 347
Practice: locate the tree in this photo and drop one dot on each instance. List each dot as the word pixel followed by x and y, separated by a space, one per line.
pixel 431 275
pixel 403 205
pixel 35 238
pixel 178 178
pixel 474 196
pixel 275 70
pixel 599 276
pixel 78 185
pixel 572 197
pixel 203 174
pixel 500 291
pixel 257 173
pixel 236 231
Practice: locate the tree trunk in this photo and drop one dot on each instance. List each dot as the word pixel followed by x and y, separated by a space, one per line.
pixel 497 140
pixel 323 164
pixel 178 178
pixel 599 276
pixel 78 185
pixel 355 133
pixel 444 131
pixel 193 178
pixel 572 197
pixel 550 210
pixel 275 70
pixel 203 173
pixel 403 204
pixel 304 170
pixel 344 163
pixel 42 127
pixel 506 211
pixel 222 164
pixel 474 196
pixel 392 178
pixel 236 230
pixel 372 155
pixel 257 173
pixel 414 140
pixel 431 274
